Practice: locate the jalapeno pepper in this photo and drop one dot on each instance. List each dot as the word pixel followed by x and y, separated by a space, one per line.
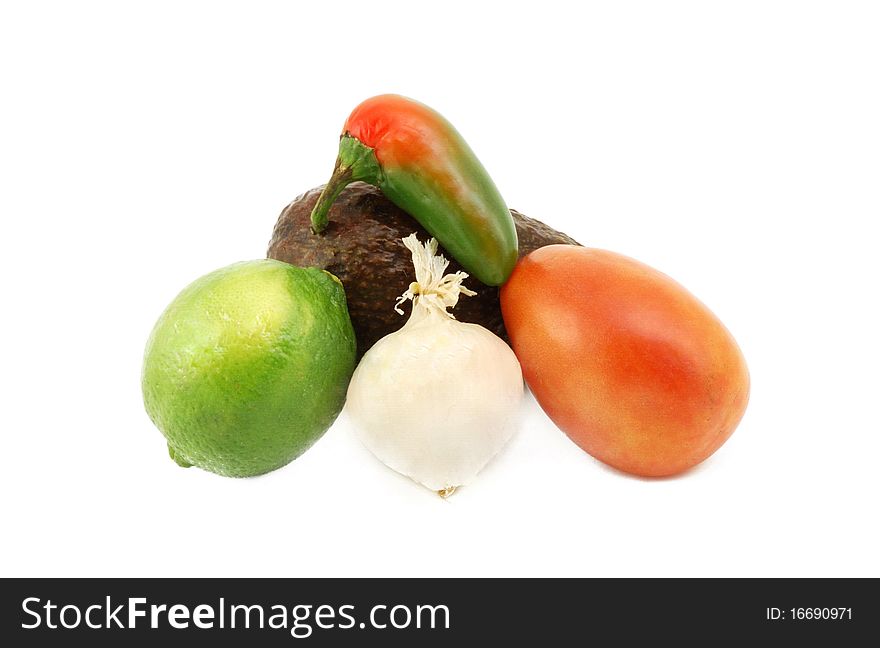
pixel 422 164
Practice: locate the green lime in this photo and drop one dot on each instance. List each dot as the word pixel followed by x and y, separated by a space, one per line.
pixel 249 366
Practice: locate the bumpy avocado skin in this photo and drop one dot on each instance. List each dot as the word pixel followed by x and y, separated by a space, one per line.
pixel 362 246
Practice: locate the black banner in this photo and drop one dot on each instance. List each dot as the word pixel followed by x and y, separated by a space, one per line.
pixel 433 612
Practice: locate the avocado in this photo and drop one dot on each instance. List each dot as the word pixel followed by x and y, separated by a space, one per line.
pixel 362 245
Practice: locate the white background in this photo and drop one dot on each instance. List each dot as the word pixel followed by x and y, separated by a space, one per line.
pixel 735 146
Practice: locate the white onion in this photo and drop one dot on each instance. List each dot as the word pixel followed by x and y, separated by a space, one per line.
pixel 437 399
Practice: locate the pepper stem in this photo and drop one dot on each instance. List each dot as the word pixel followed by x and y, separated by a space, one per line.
pixel 340 179
pixel 355 161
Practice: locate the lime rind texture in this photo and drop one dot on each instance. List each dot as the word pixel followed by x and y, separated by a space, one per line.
pixel 249 366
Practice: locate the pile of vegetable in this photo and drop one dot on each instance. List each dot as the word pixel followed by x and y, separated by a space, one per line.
pixel 626 362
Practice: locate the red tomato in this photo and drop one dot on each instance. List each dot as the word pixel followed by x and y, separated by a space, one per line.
pixel 623 359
